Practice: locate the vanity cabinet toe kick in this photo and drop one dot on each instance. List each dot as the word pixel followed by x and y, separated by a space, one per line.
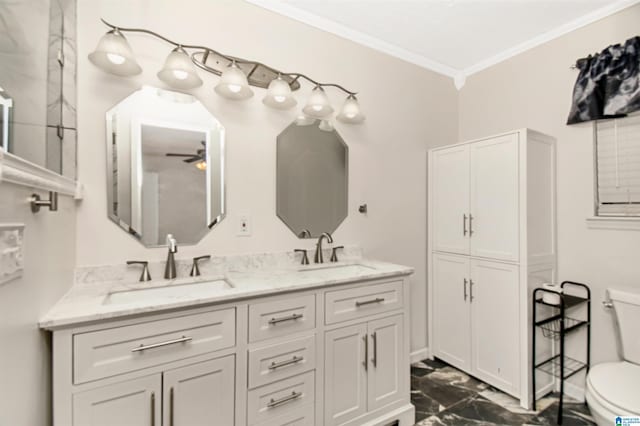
pixel 336 355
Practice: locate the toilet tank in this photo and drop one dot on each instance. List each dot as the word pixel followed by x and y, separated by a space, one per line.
pixel 626 303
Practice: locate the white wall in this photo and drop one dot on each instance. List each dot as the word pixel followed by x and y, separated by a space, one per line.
pixel 409 110
pixel 534 90
pixel 25 374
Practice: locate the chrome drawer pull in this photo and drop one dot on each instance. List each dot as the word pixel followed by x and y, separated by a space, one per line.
pixel 369 302
pixel 277 402
pixel 141 348
pixel 294 360
pixel 293 317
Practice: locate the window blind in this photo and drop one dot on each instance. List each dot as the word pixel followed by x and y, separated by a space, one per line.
pixel 618 164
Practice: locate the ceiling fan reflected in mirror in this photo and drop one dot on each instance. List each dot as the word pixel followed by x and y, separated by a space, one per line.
pixel 199 158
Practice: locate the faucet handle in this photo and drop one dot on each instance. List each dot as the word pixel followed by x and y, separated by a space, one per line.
pixel 305 258
pixel 195 270
pixel 334 254
pixel 145 276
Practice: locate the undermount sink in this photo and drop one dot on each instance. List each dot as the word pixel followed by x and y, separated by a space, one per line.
pixel 351 268
pixel 175 291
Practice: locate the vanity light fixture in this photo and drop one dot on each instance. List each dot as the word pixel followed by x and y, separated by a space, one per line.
pixel 114 55
pixel 350 112
pixel 326 125
pixel 179 71
pixel 233 84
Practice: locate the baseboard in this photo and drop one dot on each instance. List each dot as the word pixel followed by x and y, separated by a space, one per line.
pixel 419 355
pixel 574 391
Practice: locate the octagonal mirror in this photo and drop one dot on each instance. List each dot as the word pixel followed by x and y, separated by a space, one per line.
pixel 165 167
pixel 312 177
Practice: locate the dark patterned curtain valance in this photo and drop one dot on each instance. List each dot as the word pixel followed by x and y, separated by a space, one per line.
pixel 608 85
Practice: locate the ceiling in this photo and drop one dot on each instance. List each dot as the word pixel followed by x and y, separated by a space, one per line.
pixel 452 37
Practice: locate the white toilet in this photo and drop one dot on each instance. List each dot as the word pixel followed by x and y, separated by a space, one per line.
pixel 613 388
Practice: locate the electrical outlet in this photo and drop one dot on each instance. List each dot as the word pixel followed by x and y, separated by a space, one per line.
pixel 11 256
pixel 244 226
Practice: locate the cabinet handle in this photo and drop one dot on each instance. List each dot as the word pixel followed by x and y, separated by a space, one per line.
pixel 471 290
pixel 294 360
pixel 171 396
pixel 141 348
pixel 293 317
pixel 369 302
pixel 374 360
pixel 470 224
pixel 465 289
pixel 153 409
pixel 366 352
pixel 464 225
pixel 276 402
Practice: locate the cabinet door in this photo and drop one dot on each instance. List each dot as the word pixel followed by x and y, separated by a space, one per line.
pixel 451 313
pixel 345 374
pixel 495 223
pixel 495 322
pixel 133 403
pixel 386 369
pixel 450 199
pixel 197 394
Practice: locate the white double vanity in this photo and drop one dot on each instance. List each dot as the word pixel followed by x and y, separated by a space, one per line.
pixel 264 345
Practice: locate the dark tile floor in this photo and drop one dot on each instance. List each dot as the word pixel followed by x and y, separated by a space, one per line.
pixel 445 396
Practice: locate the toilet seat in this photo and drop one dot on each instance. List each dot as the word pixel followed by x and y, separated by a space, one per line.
pixel 614 385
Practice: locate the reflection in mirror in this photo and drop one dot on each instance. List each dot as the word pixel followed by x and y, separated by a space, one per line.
pixel 38 70
pixel 312 177
pixel 6 103
pixel 165 171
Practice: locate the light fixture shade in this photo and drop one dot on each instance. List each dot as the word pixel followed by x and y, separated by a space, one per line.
pixel 179 71
pixel 233 84
pixel 326 125
pixel 279 95
pixel 350 112
pixel 114 55
pixel 318 105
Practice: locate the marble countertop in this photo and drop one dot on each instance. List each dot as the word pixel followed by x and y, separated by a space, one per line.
pixel 85 303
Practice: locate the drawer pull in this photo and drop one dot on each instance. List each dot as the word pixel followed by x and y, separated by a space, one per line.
pixel 183 339
pixel 275 365
pixel 369 302
pixel 277 402
pixel 293 317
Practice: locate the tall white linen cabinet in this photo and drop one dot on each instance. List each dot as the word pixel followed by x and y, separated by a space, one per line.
pixel 492 239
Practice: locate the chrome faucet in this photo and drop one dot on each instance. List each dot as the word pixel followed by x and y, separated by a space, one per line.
pixel 318 258
pixel 170 267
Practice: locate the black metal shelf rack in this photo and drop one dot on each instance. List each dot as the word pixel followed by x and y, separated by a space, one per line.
pixel 557 326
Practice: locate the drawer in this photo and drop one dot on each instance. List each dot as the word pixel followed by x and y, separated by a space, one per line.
pixel 277 362
pixel 353 303
pixel 281 317
pixel 119 350
pixel 268 403
pixel 303 416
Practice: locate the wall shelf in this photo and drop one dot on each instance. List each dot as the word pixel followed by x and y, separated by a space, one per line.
pixel 18 171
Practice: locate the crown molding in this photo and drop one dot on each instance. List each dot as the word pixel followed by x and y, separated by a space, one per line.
pixel 458 75
pixel 18 171
pixel 551 35
pixel 355 36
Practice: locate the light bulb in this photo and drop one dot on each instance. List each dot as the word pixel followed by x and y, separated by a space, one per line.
pixel 114 55
pixel 178 70
pixel 318 105
pixel 233 84
pixel 180 75
pixel 201 165
pixel 115 58
pixel 279 94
